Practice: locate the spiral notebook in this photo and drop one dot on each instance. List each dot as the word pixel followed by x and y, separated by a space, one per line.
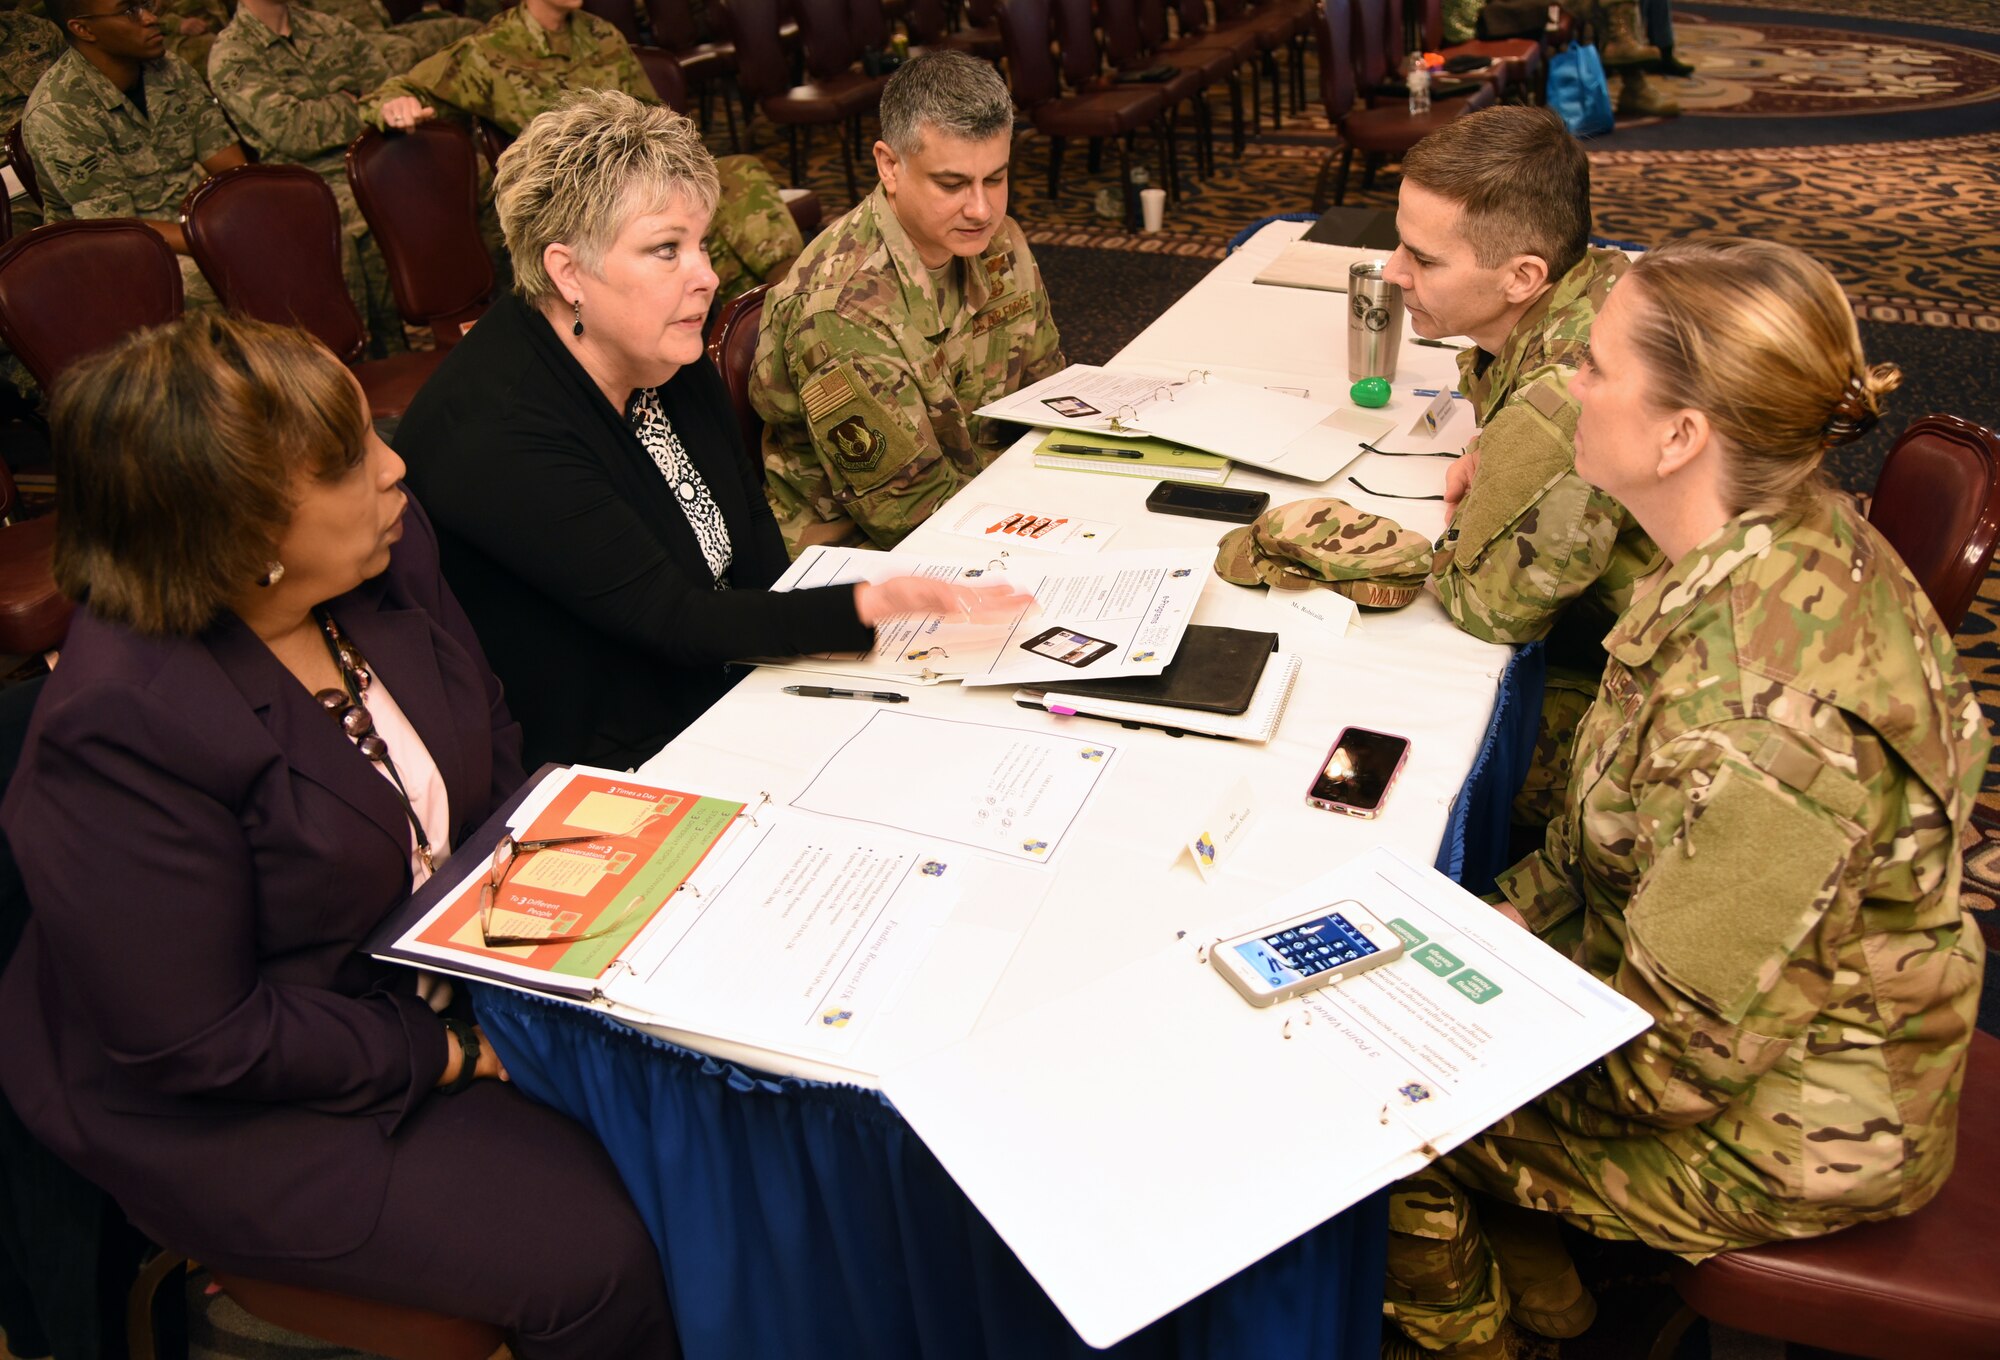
pixel 1258 723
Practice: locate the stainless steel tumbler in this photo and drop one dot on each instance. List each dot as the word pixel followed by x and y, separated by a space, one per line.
pixel 1374 322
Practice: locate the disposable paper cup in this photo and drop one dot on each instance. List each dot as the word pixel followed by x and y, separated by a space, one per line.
pixel 1153 207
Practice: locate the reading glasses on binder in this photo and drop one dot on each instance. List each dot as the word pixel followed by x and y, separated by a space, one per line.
pixel 508 852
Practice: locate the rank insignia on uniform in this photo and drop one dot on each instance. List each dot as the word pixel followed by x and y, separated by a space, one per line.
pixel 826 394
pixel 857 445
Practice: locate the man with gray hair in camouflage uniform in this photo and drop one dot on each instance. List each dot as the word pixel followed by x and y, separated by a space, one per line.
pixel 906 315
pixel 1494 215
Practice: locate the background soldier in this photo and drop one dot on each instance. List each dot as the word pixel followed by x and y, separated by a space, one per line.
pixel 292 80
pixel 523 62
pixel 428 31
pixel 29 45
pixel 918 306
pixel 1495 221
pixel 117 128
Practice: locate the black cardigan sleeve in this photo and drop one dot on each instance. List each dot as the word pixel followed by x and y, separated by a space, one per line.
pixel 510 455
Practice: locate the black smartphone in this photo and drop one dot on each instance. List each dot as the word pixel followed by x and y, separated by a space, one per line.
pixel 1207 502
pixel 1070 648
pixel 1357 772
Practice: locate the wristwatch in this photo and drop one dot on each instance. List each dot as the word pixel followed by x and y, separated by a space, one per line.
pixel 468 1056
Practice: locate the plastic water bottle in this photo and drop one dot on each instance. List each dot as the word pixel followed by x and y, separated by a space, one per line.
pixel 1420 85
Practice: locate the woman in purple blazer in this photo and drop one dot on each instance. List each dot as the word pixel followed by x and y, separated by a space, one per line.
pixel 206 840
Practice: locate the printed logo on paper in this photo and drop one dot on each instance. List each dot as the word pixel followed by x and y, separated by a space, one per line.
pixel 1035 847
pixel 1204 846
pixel 1179 572
pixel 835 1018
pixel 1144 656
pixel 1415 1093
pixel 1093 753
pixel 931 869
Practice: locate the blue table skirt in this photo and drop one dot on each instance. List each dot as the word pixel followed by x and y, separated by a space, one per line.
pixel 801 1218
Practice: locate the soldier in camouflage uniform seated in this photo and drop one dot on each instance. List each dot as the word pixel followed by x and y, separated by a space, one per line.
pixel 1495 220
pixel 117 128
pixel 430 30
pixel 524 61
pixel 920 305
pixel 1761 847
pixel 29 45
pixel 292 81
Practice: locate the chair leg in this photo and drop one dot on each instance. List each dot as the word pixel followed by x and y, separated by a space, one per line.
pixel 1369 166
pixel 1094 158
pixel 1204 118
pixel 1256 100
pixel 1236 134
pixel 847 162
pixel 1298 75
pixel 1125 185
pixel 1319 198
pixel 163 1278
pixel 1055 168
pixel 1277 99
pixel 728 112
pixel 798 155
pixel 1170 157
pixel 1340 183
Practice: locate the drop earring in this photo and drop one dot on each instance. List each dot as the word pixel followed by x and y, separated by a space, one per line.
pixel 577 306
pixel 274 572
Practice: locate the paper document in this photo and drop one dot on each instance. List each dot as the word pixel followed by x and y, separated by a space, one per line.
pixel 1044 527
pixel 1014 794
pixel 1118 613
pixel 1123 1139
pixel 1308 264
pixel 1277 431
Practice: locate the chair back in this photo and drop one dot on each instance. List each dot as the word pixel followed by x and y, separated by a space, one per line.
pixel 1937 501
pixel 673 24
pixel 268 237
pixel 1123 46
pixel 419 191
pixel 867 25
pixel 1193 17
pixel 1152 17
pixel 1395 37
pixel 761 68
pixel 1076 41
pixel 928 22
pixel 1336 64
pixel 981 13
pixel 1229 11
pixel 665 74
pixel 70 289
pixel 24 165
pixel 1371 54
pixel 824 30
pixel 1432 18
pixel 622 15
pixel 732 348
pixel 1031 71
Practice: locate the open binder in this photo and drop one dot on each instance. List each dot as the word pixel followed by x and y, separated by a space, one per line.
pixel 1277 431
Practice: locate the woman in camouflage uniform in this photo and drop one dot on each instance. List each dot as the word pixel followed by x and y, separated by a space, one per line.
pixel 1760 846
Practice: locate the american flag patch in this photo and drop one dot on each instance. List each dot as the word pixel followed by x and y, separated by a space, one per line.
pixel 826 393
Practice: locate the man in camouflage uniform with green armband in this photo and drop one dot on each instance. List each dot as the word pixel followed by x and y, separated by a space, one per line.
pixel 29 45
pixel 917 307
pixel 1760 848
pixel 523 62
pixel 117 128
pixel 1495 221
pixel 292 80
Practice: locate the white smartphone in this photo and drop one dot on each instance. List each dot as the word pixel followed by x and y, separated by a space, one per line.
pixel 1313 950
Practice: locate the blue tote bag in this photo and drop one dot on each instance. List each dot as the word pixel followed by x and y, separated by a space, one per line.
pixel 1578 90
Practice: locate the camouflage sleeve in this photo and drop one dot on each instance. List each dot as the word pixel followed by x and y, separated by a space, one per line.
pixel 1530 535
pixel 1748 877
pixel 279 121
pixel 873 456
pixel 73 163
pixel 752 232
pixel 439 81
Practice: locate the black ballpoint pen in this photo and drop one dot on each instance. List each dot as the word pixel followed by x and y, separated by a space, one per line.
pixel 822 692
pixel 1093 450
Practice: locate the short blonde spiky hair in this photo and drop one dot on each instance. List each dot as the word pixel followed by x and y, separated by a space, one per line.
pixel 580 171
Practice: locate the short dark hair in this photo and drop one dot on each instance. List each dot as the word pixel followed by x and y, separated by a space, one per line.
pixel 1521 181
pixel 62 11
pixel 178 453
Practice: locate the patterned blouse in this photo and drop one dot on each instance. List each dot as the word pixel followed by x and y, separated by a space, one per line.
pixel 656 434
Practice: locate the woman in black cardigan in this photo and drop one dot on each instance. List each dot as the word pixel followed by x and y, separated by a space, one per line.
pixel 580 458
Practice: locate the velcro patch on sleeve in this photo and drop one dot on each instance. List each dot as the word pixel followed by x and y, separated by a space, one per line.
pixel 1723 909
pixel 827 393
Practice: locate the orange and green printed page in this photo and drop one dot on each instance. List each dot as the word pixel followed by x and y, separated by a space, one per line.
pixel 650 841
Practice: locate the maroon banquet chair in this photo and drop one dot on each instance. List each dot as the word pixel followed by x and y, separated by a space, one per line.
pixel 1937 501
pixel 34 615
pixel 703 64
pixel 1918 1287
pixel 732 348
pixel 622 15
pixel 419 191
pixel 268 238
pixel 664 74
pixel 71 288
pixel 1376 133
pixel 837 96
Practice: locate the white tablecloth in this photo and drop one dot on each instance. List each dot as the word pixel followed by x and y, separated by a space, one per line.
pixel 1123 889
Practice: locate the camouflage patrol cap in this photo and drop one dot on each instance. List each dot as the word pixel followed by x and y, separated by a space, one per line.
pixel 1327 542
